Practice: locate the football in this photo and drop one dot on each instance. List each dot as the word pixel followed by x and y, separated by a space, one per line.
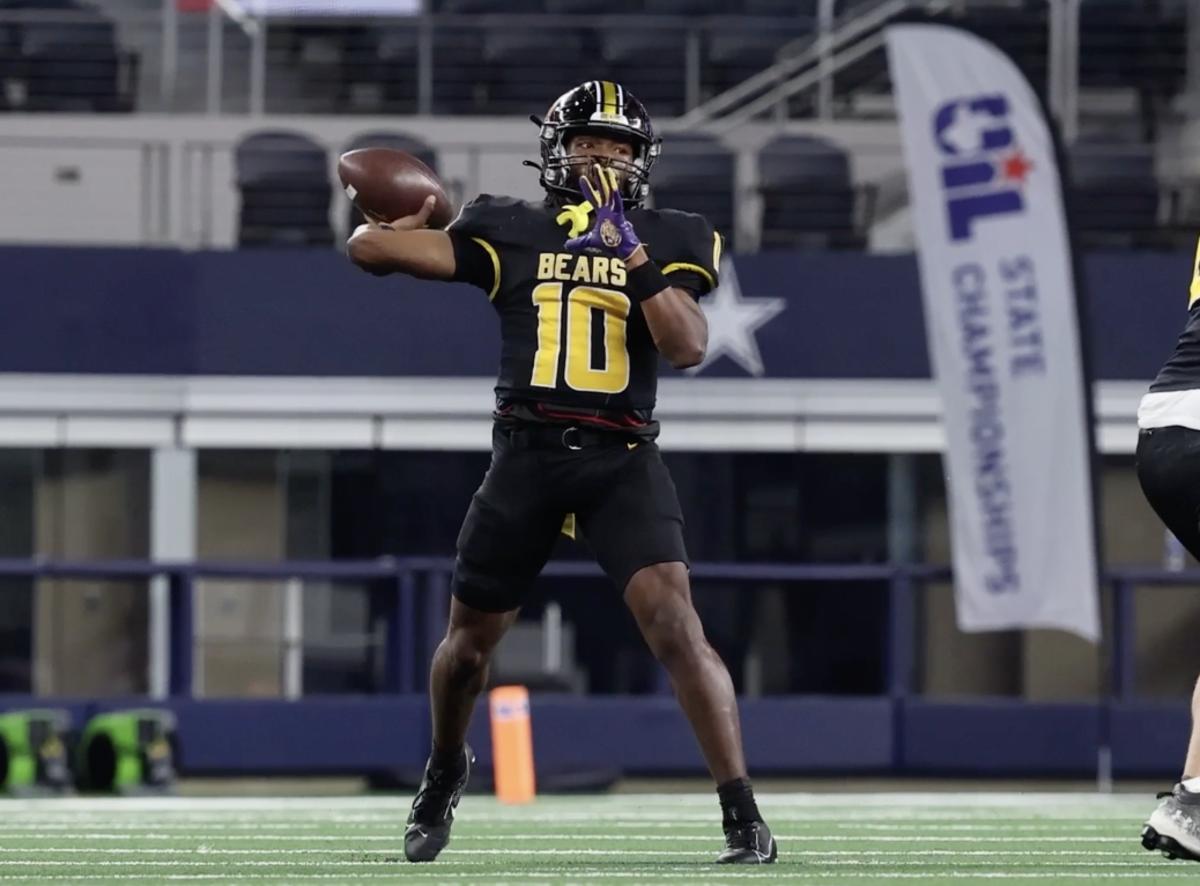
pixel 387 184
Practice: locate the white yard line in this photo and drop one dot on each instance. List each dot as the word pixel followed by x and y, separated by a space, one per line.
pixel 324 805
pixel 197 838
pixel 204 849
pixel 667 819
pixel 260 825
pixel 340 838
pixel 584 875
pixel 201 859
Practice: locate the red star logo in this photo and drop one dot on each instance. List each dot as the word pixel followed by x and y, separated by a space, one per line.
pixel 1015 167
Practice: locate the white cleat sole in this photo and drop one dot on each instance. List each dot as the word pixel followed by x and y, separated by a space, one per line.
pixel 1164 834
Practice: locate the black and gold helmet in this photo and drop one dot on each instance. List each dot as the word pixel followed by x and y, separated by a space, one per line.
pixel 605 108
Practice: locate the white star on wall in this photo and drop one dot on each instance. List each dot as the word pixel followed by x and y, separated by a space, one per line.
pixel 732 322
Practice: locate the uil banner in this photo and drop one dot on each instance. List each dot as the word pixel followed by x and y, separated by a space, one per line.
pixel 1002 327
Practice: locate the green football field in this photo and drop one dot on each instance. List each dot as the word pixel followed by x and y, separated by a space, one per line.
pixel 631 838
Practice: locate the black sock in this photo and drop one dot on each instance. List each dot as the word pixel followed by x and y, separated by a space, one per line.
pixel 452 762
pixel 737 802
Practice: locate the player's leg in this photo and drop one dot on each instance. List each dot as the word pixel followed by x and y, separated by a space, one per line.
pixel 505 541
pixel 456 677
pixel 1168 465
pixel 1191 765
pixel 660 599
pixel 459 673
pixel 636 530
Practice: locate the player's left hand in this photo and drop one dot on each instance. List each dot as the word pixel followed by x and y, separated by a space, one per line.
pixel 612 234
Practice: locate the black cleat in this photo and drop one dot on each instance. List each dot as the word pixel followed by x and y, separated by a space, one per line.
pixel 749 843
pixel 432 813
pixel 1174 827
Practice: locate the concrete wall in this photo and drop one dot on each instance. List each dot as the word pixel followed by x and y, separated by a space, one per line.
pixel 241 503
pixel 90 637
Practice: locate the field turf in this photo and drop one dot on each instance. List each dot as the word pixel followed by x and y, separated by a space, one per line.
pixel 621 838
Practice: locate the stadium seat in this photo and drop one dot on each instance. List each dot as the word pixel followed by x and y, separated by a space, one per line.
pixel 486 7
pixel 1111 38
pixel 379 70
pixel 781 8
pixel 1022 32
pixel 651 62
pixel 808 196
pixel 398 142
pixel 1114 200
pixel 11 65
pixel 1158 70
pixel 66 63
pixel 459 80
pixel 284 182
pixel 528 67
pixel 737 47
pixel 695 174
pixel 691 7
pixel 593 7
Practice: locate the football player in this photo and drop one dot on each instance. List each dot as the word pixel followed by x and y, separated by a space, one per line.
pixel 591 289
pixel 1168 468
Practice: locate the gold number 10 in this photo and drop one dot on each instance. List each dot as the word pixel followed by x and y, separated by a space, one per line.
pixel 581 300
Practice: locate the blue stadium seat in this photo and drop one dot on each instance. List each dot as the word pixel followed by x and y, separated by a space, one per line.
pixel 11 64
pixel 487 7
pixel 68 63
pixel 397 142
pixel 593 7
pixel 651 62
pixel 284 181
pixel 781 8
pixel 738 47
pixel 383 60
pixel 1153 59
pixel 458 78
pixel 1022 32
pixel 528 67
pixel 1112 40
pixel 808 196
pixel 1115 195
pixel 695 174
pixel 691 7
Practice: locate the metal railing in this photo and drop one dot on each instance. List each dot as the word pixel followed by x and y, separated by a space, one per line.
pixel 417 589
pixel 226 60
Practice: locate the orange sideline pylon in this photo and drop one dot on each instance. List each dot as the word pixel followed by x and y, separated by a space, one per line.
pixel 512 744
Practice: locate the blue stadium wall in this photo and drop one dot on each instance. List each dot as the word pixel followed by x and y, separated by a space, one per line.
pixel 576 736
pixel 312 313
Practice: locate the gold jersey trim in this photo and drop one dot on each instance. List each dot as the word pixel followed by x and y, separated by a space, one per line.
pixel 491 251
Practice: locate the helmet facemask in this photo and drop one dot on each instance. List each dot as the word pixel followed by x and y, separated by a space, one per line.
pixel 561 170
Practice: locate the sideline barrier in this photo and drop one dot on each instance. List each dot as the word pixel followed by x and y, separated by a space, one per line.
pixel 899 732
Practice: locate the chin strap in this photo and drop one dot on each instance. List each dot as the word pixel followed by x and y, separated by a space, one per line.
pixel 576 215
pixel 538 166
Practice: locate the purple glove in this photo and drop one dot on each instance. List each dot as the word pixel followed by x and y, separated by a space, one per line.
pixel 612 234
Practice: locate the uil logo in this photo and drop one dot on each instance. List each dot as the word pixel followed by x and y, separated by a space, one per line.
pixel 984 171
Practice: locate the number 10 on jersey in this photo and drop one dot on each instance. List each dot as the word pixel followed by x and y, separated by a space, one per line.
pixel 583 305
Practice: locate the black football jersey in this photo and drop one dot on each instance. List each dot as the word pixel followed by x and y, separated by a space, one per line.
pixel 1181 372
pixel 570 335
